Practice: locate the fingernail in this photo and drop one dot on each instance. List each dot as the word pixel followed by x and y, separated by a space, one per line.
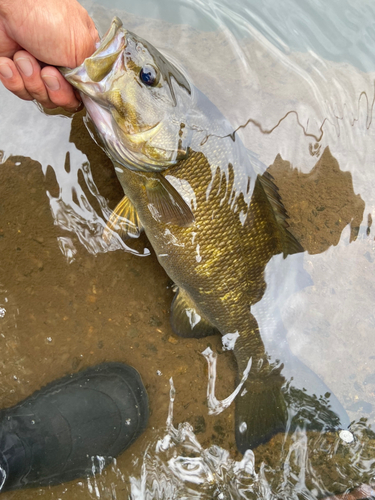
pixel 5 71
pixel 51 82
pixel 25 66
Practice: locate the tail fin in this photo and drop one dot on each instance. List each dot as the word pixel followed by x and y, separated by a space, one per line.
pixel 261 410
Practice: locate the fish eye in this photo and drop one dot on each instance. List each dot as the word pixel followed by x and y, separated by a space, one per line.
pixel 149 75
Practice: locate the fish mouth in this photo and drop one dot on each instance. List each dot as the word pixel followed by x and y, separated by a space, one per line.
pixel 108 38
pixel 88 77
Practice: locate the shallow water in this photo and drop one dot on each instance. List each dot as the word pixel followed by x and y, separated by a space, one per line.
pixel 68 301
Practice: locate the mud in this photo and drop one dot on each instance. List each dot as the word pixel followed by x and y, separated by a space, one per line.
pixel 110 307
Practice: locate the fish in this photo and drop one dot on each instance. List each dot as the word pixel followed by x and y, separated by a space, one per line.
pixel 210 210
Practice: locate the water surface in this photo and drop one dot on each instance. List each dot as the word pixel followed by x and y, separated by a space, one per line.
pixel 298 81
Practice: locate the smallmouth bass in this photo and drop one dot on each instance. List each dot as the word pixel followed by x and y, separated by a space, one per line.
pixel 192 186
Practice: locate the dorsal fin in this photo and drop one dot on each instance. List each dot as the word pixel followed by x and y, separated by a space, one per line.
pixel 289 243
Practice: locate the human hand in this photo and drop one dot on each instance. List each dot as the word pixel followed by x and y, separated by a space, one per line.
pixel 54 32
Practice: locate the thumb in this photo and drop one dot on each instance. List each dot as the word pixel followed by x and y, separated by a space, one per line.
pixel 87 38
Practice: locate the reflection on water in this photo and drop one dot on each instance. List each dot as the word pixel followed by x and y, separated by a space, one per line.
pixel 177 466
pixel 69 300
pixel 73 212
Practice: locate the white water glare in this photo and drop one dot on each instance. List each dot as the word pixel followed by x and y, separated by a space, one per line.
pixel 215 407
pixel 178 467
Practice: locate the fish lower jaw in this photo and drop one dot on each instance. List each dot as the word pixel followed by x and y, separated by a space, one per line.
pixel 101 118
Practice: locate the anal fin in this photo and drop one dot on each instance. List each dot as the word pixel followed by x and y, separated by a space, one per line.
pixel 186 321
pixel 124 221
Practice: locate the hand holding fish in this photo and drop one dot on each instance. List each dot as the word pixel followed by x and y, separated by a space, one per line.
pixel 53 32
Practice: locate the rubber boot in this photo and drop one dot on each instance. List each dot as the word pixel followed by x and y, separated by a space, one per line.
pixel 72 427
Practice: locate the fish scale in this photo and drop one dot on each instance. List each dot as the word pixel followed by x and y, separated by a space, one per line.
pixel 229 277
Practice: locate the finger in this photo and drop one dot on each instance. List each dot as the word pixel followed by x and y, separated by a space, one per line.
pixel 60 92
pixel 12 80
pixel 30 71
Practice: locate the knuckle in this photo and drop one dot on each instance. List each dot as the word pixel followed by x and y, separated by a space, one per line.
pixel 23 95
pixel 67 101
pixel 14 84
pixel 69 104
pixel 50 105
pixel 18 89
pixel 38 93
pixel 36 88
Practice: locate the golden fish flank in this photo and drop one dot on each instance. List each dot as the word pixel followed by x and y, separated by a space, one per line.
pixel 191 185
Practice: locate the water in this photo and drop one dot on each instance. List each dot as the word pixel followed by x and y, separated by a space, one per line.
pixel 301 78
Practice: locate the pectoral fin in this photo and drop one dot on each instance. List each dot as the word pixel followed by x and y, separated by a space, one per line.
pixel 185 320
pixel 166 204
pixel 123 220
